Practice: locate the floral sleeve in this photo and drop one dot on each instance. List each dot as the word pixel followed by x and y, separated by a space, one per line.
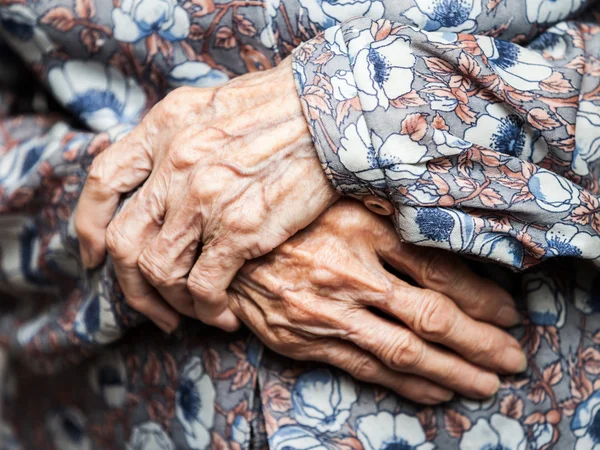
pixel 483 147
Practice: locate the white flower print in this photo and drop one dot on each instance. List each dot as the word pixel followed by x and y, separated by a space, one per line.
pixel 108 377
pixel 587 143
pixel 518 67
pixel 504 131
pixel 99 95
pixel 551 44
pixel 150 436
pixel 137 19
pixel 66 427
pixel 295 437
pixel 31 328
pixel 545 302
pixel 586 423
pixel 567 240
pixel 448 144
pixel 372 159
pixel 344 87
pixel 550 11
pixel 552 192
pixel 195 404
pixel 383 70
pixel 497 432
pixel 322 400
pixel 477 405
pixel 445 15
pixel 334 37
pixel 499 247
pixel 195 73
pixel 18 26
pixel 542 435
pixel 240 431
pixel 439 102
pixel 327 13
pixel 384 431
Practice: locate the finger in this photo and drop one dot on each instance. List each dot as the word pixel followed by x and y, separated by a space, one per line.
pixel 126 236
pixel 168 259
pixel 365 367
pixel 401 350
pixel 208 282
pixel 436 318
pixel 444 272
pixel 344 355
pixel 118 170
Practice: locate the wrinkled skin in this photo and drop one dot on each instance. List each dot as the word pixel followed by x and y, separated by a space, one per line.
pixel 230 171
pixel 312 299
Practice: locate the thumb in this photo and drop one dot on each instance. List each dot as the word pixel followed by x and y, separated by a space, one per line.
pixel 118 170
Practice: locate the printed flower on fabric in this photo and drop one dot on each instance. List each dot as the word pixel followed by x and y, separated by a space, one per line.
pixel 194 73
pixel 384 431
pixel 586 423
pixel 18 26
pixel 194 404
pixel 150 436
pixel 372 159
pixel 327 13
pixel 505 132
pixel 477 405
pixel 435 227
pixel 553 193
pixel 334 37
pixel 499 432
pixel 383 69
pixel 550 11
pixel 344 87
pixel 542 435
pixel 95 321
pixel 295 437
pixel 66 427
pixel 108 377
pixel 567 240
pixel 322 400
pixel 137 19
pixel 445 15
pixel 587 144
pixel 518 67
pixel 240 431
pixel 27 331
pixel 551 44
pixel 267 34
pixel 546 304
pixel 100 95
pixel 447 144
pixel 500 248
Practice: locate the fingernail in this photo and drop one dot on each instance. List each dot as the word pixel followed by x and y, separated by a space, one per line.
pixel 515 360
pixel 487 384
pixel 508 316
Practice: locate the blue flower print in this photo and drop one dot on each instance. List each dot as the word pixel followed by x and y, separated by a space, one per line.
pixel 95 321
pixel 100 95
pixel 445 15
pixel 501 248
pixel 195 404
pixel 18 26
pixel 384 431
pixel 295 437
pixel 150 436
pixel 66 427
pixel 505 132
pixel 435 224
pixel 137 19
pixel 586 423
pixel 195 73
pixel 545 302
pixel 567 240
pixel 322 400
pixel 518 67
pixel 499 432
pixel 327 13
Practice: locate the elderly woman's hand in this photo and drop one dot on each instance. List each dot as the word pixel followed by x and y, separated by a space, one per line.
pixel 228 171
pixel 320 297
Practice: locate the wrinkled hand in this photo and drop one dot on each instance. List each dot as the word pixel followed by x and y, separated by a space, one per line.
pixel 315 297
pixel 228 171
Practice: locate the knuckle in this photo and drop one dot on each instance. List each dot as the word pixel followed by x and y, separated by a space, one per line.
pixel 362 368
pixel 202 290
pixel 435 269
pixel 405 353
pixel 116 242
pixel 433 321
pixel 155 270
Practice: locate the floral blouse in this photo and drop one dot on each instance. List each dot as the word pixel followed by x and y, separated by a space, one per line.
pixel 478 120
